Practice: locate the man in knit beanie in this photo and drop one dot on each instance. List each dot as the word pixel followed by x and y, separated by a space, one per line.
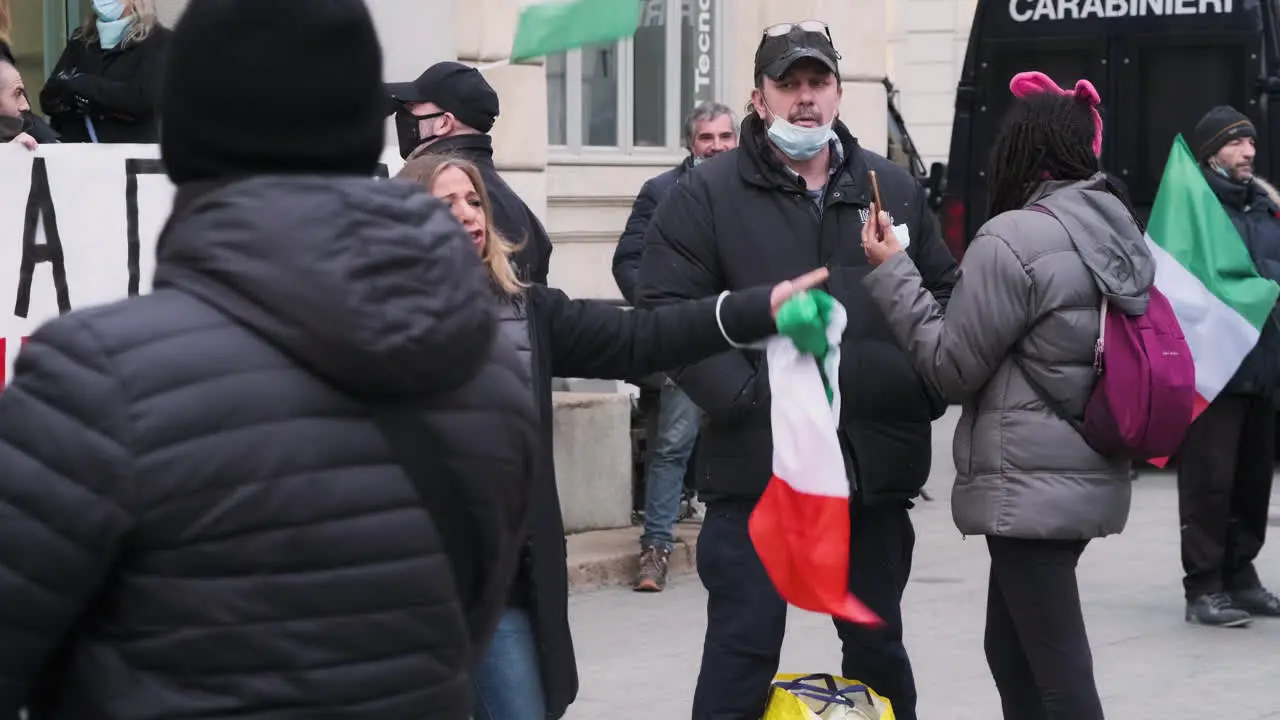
pixel 1226 461
pixel 291 481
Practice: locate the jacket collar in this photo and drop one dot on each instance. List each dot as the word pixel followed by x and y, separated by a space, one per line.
pixel 1237 196
pixel 476 147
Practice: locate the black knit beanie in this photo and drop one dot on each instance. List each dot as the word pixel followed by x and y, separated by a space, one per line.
pixel 256 87
pixel 1218 127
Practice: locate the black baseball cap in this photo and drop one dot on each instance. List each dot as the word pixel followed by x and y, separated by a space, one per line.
pixel 785 44
pixel 455 88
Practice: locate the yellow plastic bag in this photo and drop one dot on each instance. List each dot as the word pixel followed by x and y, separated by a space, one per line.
pixel 824 697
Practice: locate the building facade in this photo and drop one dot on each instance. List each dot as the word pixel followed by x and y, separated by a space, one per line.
pixel 927 42
pixel 580 132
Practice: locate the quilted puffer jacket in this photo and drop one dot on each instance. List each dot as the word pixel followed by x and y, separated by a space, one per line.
pixel 1027 305
pixel 199 516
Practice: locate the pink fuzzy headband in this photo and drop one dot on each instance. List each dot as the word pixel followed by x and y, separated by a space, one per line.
pixel 1029 83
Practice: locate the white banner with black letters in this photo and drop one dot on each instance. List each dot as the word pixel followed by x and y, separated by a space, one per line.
pixel 78 227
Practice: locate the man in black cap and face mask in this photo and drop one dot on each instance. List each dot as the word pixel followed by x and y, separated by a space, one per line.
pixel 450 109
pixel 1226 462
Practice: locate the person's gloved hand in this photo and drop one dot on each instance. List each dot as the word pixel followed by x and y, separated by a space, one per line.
pixel 59 89
pixel 59 84
pixel 68 87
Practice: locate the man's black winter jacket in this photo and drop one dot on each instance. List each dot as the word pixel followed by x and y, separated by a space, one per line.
pixel 741 219
pixel 201 518
pixel 626 258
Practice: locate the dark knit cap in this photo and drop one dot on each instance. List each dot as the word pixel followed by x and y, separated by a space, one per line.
pixel 256 87
pixel 1218 127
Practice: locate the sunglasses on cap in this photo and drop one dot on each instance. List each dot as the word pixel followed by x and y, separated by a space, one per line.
pixel 811 26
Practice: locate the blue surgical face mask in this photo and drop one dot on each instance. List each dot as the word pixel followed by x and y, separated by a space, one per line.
pixel 109 10
pixel 798 142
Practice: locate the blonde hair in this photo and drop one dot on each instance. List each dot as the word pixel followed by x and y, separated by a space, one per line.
pixel 425 169
pixel 144 21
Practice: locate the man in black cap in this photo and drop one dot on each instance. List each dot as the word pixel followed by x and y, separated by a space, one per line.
pixel 291 481
pixel 793 194
pixel 450 109
pixel 1226 462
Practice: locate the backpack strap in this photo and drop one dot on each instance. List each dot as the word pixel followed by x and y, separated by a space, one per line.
pixel 1099 346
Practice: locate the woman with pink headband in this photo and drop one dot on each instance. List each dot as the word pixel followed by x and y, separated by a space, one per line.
pixel 1015 346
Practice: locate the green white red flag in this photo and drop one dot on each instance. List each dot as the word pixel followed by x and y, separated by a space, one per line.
pixel 551 26
pixel 1203 266
pixel 800 527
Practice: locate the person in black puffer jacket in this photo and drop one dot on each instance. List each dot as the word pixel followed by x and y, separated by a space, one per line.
pixel 1226 462
pixel 203 518
pixel 756 215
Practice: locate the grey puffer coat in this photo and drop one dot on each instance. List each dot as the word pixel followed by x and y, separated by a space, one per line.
pixel 1027 302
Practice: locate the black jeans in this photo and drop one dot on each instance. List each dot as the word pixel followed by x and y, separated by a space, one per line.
pixel 746 619
pixel 1035 641
pixel 1224 488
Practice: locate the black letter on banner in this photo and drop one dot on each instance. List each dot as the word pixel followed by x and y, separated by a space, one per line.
pixel 40 207
pixel 134 167
pixel 382 172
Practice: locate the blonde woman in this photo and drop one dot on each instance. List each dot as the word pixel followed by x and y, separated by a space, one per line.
pixel 528 672
pixel 104 87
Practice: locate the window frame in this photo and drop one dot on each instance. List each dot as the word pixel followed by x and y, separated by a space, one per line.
pixel 625 152
pixel 61 18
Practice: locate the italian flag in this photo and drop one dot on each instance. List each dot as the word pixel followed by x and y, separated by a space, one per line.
pixel 800 526
pixel 551 26
pixel 1204 268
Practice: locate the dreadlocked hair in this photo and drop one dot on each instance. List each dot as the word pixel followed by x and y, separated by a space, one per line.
pixel 1044 136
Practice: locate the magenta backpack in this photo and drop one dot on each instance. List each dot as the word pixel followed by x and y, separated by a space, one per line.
pixel 1143 400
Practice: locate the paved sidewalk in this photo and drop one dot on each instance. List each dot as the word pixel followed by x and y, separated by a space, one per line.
pixel 639 653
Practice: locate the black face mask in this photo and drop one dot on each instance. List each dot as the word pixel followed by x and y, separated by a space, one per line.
pixel 408 130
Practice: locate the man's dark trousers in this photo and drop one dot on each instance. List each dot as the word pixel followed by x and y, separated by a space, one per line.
pixel 1224 490
pixel 746 619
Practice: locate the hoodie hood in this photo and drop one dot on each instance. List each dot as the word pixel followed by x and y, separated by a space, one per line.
pixel 1107 238
pixel 369 284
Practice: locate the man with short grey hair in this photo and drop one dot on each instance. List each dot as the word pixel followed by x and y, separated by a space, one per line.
pixel 710 129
